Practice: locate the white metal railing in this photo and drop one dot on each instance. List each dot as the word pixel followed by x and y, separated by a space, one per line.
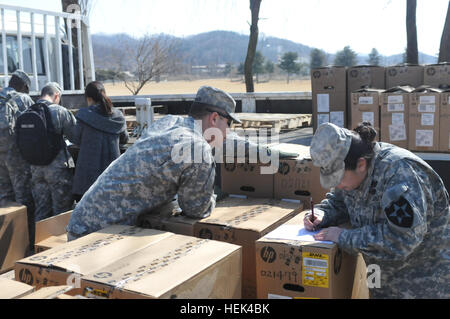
pixel 54 67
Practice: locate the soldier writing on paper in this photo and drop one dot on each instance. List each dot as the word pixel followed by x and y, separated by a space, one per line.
pixel 397 205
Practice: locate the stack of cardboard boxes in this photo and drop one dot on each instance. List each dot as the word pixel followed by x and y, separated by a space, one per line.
pixel 393 100
pixel 291 179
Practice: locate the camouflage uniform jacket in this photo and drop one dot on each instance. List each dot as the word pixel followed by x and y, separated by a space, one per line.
pixel 399 217
pixel 149 175
pixel 23 102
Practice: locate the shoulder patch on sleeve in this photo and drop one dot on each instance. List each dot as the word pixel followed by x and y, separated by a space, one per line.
pixel 400 213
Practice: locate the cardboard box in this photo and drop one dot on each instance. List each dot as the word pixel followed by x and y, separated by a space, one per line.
pixel 11 289
pixel 329 91
pixel 246 179
pixel 241 222
pixel 424 118
pixel 50 293
pixel 51 232
pixel 304 270
pixel 444 136
pixel 363 77
pixel 405 75
pixel 14 240
pixel 66 264
pixel 176 267
pixel 366 107
pixel 437 75
pixel 298 178
pixel 395 116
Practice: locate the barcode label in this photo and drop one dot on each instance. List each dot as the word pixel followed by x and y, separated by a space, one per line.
pixel 315 263
pixel 366 100
pixel 395 99
pixel 427 108
pixel 396 107
pixel 429 99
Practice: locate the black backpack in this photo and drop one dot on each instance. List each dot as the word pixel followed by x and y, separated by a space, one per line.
pixel 36 137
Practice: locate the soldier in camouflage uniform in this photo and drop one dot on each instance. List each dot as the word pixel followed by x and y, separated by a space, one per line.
pixel 52 184
pixel 397 205
pixel 15 176
pixel 172 158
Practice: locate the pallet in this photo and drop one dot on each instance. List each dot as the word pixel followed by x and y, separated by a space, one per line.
pixel 276 122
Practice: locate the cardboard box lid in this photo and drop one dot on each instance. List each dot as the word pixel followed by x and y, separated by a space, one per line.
pixel 427 89
pixel 249 214
pixel 53 226
pixel 53 241
pixel 369 90
pixel 96 250
pixel 156 269
pixel 301 150
pixel 10 208
pixel 400 89
pixel 11 289
pixel 49 292
pixel 298 220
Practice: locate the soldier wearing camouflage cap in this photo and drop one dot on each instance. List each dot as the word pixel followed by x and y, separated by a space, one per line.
pixel 172 159
pixel 15 175
pixel 397 205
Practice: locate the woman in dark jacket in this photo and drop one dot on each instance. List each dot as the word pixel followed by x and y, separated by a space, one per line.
pixel 99 132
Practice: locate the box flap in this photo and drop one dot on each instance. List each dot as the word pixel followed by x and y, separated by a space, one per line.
pixel 369 90
pixel 49 292
pixel 53 226
pixel 10 208
pixel 52 241
pixel 96 250
pixel 156 269
pixel 301 150
pixel 427 89
pixel 11 289
pixel 250 214
pixel 400 89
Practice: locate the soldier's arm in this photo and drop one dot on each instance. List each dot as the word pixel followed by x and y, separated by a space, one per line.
pixel 403 228
pixel 27 102
pixel 124 137
pixel 68 123
pixel 196 192
pixel 334 208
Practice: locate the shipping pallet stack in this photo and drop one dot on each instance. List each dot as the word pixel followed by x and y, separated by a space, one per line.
pixel 252 123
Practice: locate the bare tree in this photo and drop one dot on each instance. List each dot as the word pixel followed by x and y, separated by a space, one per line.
pixel 253 42
pixel 444 52
pixel 152 57
pixel 412 51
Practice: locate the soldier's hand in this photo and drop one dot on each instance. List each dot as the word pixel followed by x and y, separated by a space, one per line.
pixel 329 234
pixel 312 225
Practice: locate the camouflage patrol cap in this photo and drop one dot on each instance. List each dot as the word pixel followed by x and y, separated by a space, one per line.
pixel 329 148
pixel 218 101
pixel 23 76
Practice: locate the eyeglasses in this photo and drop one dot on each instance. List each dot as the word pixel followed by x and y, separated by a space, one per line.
pixel 226 117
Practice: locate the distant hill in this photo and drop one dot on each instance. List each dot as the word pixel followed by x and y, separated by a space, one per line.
pixel 221 47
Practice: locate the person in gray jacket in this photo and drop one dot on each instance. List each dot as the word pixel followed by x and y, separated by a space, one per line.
pixel 52 184
pixel 99 132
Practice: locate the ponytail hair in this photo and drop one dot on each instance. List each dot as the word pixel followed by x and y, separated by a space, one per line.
pixel 96 91
pixel 363 144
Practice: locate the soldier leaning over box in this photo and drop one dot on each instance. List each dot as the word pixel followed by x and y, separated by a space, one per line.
pixel 15 176
pixel 52 174
pixel 397 205
pixel 173 158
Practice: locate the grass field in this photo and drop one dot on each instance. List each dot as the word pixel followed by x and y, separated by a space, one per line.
pixel 191 87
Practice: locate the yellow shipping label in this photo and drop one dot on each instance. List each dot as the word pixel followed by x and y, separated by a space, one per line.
pixel 315 270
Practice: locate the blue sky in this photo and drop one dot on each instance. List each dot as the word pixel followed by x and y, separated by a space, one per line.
pixel 326 24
